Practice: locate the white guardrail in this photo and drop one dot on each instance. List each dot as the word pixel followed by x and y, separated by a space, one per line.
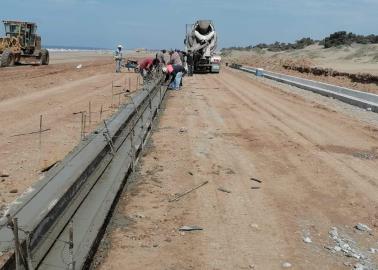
pixel 361 99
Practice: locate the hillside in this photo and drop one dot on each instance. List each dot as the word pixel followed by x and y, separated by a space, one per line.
pixel 354 59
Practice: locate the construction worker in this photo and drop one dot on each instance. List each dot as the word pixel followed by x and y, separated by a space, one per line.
pixel 175 58
pixel 177 72
pixel 163 57
pixel 118 58
pixel 146 65
pixel 190 62
pixel 166 57
pixel 160 56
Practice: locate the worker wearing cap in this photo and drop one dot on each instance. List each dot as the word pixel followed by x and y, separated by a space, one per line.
pixel 118 58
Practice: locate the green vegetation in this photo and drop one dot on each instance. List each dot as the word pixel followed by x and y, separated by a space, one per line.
pixel 337 39
pixel 343 38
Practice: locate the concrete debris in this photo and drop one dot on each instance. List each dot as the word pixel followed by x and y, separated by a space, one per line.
pixel 368 155
pixel 79 66
pixel 373 250
pixel 334 233
pixel 343 245
pixel 137 215
pixel 362 227
pixel 190 228
pixel 286 265
pixel 349 249
pixel 359 266
pixel 183 130
pixel 307 240
pixel 224 190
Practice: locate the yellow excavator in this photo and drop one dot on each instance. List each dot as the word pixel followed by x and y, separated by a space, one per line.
pixel 21 42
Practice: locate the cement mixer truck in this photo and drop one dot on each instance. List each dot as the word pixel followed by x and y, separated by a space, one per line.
pixel 201 42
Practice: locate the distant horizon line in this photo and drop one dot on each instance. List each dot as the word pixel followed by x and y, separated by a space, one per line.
pixel 75 47
pixel 93 48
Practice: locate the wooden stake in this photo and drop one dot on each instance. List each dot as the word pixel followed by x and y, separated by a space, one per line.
pixel 40 123
pixel 90 114
pixel 101 113
pixel 82 126
pixel 85 123
pixel 40 131
pixel 112 93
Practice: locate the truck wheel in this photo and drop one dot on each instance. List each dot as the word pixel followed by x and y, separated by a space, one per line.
pixel 45 57
pixel 17 59
pixel 7 59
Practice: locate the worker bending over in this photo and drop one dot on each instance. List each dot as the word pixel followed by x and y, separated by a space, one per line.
pixel 146 65
pixel 177 71
pixel 118 58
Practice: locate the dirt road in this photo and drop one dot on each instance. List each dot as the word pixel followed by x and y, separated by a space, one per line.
pixel 57 92
pixel 318 169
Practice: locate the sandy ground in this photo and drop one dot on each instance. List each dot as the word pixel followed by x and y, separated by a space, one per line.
pixel 357 58
pixel 354 59
pixel 78 56
pixel 318 168
pixel 56 92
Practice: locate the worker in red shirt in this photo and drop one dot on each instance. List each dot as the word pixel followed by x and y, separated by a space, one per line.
pixel 146 65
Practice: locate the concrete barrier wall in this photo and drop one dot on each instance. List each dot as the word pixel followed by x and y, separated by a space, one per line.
pixel 357 98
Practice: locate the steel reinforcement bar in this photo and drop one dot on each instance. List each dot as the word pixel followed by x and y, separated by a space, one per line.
pixel 78 193
pixel 357 98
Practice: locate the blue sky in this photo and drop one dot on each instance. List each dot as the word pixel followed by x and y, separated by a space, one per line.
pixel 161 23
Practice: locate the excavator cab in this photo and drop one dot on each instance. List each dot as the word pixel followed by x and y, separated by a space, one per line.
pixel 24 31
pixel 21 41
